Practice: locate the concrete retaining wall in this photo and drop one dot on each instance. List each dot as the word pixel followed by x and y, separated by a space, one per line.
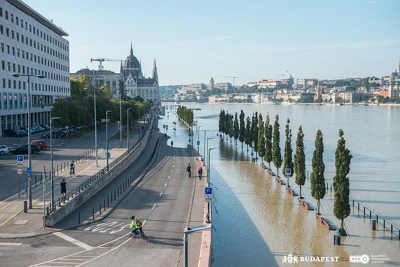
pixel 96 186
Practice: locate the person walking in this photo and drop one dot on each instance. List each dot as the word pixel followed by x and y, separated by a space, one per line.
pixel 200 172
pixel 63 186
pixel 72 167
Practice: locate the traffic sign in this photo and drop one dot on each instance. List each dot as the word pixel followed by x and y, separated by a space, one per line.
pixel 208 191
pixel 29 170
pixel 288 171
pixel 20 159
pixel 19 171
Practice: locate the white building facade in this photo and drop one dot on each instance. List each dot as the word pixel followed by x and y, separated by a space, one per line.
pixel 30 45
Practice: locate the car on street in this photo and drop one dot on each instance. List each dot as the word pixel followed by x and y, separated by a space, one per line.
pixel 24 149
pixel 11 133
pixel 55 135
pixel 3 149
pixel 40 143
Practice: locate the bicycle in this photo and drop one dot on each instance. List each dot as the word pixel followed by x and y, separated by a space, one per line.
pixel 140 235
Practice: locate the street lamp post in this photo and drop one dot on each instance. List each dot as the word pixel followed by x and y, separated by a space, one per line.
pixel 208 138
pixel 198 139
pixel 204 148
pixel 51 158
pixel 95 122
pixel 108 111
pixel 120 118
pixel 29 134
pixel 209 167
pixel 139 122
pixel 127 128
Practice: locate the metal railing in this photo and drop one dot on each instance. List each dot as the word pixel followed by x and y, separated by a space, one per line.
pixel 74 192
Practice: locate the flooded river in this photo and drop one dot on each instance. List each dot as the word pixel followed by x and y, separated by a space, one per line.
pixel 257 223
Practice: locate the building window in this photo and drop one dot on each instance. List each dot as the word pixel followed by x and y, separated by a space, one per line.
pixel 12 17
pixel 2 47
pixel 8 66
pixel 16 20
pixel 1 11
pixel 12 34
pixel 10 101
pixel 3 65
pixel 17 36
pixel 1 29
pixel 6 13
pixel 4 83
pixel 15 100
pixel 20 100
pixel 7 32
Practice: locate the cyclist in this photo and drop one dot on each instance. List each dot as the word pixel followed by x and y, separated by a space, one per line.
pixel 188 169
pixel 136 225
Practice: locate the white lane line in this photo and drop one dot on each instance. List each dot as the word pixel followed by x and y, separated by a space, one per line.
pixel 160 194
pixel 9 244
pixel 173 166
pixel 169 176
pixel 153 206
pixel 144 222
pixel 73 240
pixel 171 170
pixel 165 184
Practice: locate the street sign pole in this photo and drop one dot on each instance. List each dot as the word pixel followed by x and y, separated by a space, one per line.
pixel 288 172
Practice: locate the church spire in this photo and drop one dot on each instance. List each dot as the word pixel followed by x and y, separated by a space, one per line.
pixel 131 49
pixel 155 73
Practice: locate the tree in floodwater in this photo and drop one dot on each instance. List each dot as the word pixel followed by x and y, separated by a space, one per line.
pixel 247 139
pixel 242 131
pixel 318 189
pixel 288 152
pixel 300 160
pixel 341 183
pixel 276 149
pixel 236 128
pixel 261 138
pixel 268 142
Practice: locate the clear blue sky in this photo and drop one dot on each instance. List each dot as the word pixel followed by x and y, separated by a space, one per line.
pixel 253 40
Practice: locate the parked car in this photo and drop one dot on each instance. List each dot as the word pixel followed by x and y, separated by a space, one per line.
pixel 40 143
pixel 55 135
pixel 45 126
pixel 11 133
pixel 3 149
pixel 24 150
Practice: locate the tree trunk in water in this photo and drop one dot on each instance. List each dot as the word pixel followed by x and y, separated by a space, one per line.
pixel 300 191
pixel 318 204
pixel 341 224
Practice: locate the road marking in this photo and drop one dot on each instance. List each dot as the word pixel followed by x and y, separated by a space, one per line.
pixel 73 240
pixel 165 184
pixel 169 177
pixel 171 170
pixel 173 166
pixel 9 244
pixel 160 194
pixel 153 206
pixel 16 206
pixel 144 222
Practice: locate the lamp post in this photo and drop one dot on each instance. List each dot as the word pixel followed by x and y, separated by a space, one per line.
pixel 108 111
pixel 208 138
pixel 139 122
pixel 209 167
pixel 51 158
pixel 120 118
pixel 204 148
pixel 198 139
pixel 95 122
pixel 127 128
pixel 29 134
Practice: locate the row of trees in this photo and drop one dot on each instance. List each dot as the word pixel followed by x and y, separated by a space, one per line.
pixel 78 109
pixel 185 114
pixel 265 141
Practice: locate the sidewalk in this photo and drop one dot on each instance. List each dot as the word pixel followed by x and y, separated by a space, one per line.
pixel 15 223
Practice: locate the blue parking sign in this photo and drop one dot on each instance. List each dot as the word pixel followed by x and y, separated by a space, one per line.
pixel 20 159
pixel 288 171
pixel 208 191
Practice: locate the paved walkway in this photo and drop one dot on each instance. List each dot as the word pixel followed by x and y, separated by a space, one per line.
pixel 15 223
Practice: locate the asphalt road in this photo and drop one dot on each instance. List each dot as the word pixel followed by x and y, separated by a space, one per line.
pixel 161 200
pixel 64 150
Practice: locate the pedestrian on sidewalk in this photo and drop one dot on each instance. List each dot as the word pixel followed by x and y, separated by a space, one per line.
pixel 72 168
pixel 63 186
pixel 200 172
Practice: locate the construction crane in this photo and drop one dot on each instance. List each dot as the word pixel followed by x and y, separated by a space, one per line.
pixel 233 78
pixel 101 60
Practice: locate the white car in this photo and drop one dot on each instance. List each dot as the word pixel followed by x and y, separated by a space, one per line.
pixel 3 149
